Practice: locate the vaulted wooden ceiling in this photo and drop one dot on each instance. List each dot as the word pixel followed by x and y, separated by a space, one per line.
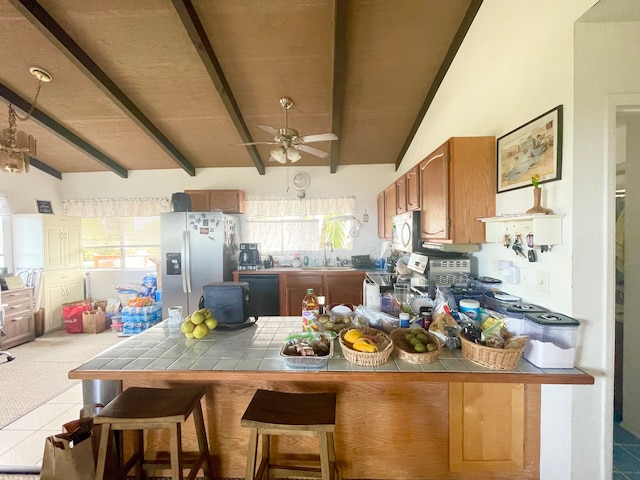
pixel 160 84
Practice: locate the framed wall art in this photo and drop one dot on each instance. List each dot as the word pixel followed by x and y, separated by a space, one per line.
pixel 533 148
pixel 44 206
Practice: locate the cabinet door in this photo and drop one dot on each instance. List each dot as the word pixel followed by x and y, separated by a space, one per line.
pixel 486 427
pixel 390 209
pixel 434 193
pixel 199 200
pixel 343 287
pixel 54 248
pixel 401 194
pixel 228 201
pixel 73 245
pixel 53 299
pixel 381 216
pixel 296 288
pixel 413 189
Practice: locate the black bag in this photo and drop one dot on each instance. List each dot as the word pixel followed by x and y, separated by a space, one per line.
pixel 229 303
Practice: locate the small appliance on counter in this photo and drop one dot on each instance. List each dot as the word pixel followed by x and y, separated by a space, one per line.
pixel 431 271
pixel 249 257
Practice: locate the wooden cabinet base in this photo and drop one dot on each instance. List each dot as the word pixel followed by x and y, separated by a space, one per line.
pixel 387 429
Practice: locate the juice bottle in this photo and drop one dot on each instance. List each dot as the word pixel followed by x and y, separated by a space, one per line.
pixel 310 309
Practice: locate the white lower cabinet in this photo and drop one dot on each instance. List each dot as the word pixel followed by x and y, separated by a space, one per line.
pixel 59 287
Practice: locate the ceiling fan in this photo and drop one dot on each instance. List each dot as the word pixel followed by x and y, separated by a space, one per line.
pixel 289 141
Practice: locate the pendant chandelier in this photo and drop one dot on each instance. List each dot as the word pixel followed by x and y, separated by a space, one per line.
pixel 17 147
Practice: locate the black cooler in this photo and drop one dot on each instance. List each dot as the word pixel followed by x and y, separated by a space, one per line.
pixel 228 302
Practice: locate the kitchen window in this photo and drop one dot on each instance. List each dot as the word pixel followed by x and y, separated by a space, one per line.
pixel 119 232
pixel 284 225
pixel 121 242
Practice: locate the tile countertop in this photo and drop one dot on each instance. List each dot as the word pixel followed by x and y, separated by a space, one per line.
pixel 258 348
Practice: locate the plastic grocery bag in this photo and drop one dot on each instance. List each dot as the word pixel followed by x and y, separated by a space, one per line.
pixel 72 314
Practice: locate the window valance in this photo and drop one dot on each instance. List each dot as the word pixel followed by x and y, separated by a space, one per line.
pixel 116 207
pixel 285 207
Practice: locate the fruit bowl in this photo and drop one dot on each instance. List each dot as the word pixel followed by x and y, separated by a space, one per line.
pixel 367 359
pixel 405 351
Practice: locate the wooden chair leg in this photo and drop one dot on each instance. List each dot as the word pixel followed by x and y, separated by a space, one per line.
pixel 102 451
pixel 332 455
pixel 175 446
pixel 325 464
pixel 139 454
pixel 252 452
pixel 203 444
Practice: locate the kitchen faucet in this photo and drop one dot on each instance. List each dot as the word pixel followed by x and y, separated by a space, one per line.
pixel 325 247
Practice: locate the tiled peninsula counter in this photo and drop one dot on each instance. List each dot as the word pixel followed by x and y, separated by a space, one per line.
pixel 450 419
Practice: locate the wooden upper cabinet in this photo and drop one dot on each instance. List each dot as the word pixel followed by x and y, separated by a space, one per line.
pixel 401 194
pixel 390 209
pixel 458 186
pixel 381 215
pixel 227 201
pixel 413 189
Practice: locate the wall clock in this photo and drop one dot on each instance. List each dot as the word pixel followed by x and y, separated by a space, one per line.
pixel 301 181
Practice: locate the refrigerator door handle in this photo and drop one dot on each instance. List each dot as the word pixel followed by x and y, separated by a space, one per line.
pixel 187 261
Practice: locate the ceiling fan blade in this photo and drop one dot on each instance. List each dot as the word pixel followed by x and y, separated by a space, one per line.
pixel 255 143
pixel 270 130
pixel 319 137
pixel 313 151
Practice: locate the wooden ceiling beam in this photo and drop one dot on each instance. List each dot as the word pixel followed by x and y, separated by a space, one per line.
pixel 46 25
pixel 339 69
pixel 50 124
pixel 201 43
pixel 465 24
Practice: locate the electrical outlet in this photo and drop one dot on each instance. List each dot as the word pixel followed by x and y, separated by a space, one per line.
pixel 524 277
pixel 543 282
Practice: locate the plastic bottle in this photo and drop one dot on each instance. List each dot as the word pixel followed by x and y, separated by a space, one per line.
pixel 404 320
pixel 310 309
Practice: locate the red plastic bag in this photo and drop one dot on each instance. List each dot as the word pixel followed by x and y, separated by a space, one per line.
pixel 72 315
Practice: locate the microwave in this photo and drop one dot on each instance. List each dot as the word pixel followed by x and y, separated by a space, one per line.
pixel 405 232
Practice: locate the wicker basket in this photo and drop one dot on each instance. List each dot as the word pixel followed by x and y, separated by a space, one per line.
pixel 490 357
pixel 365 359
pixel 404 349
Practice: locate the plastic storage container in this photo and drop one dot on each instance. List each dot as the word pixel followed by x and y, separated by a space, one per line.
pixel 552 339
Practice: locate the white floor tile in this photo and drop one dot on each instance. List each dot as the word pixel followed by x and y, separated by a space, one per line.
pixel 28 452
pixel 73 395
pixel 38 418
pixel 10 438
pixel 72 413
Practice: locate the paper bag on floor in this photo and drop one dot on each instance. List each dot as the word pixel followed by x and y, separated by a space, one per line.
pixel 67 460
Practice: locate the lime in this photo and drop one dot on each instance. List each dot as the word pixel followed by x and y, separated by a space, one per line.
pixel 414 341
pixel 432 347
pixel 409 336
pixel 422 337
pixel 420 348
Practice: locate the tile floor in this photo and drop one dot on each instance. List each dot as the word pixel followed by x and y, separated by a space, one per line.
pixel 22 442
pixel 626 455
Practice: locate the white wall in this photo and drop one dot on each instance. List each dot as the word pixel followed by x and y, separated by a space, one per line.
pixel 607 69
pixel 515 64
pixel 23 189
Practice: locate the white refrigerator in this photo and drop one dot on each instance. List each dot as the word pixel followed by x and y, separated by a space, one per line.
pixel 197 248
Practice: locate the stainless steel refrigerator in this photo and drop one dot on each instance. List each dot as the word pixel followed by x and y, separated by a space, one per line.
pixel 197 248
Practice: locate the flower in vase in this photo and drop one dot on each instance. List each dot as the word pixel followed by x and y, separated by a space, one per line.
pixel 535 180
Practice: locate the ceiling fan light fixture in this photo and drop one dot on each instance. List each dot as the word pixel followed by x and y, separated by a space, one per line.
pixel 293 154
pixel 279 155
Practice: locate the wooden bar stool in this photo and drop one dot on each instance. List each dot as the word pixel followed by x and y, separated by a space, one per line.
pixel 149 408
pixel 295 414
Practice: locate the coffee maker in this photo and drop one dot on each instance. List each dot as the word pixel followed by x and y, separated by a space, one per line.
pixel 249 256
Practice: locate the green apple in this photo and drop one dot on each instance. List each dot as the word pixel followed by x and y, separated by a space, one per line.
pixel 211 322
pixel 200 331
pixel 187 327
pixel 197 318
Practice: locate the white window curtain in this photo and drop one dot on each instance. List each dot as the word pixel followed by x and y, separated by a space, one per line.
pixel 289 207
pixel 292 225
pixel 116 207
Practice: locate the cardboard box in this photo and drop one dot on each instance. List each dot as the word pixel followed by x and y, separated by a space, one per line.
pixel 93 321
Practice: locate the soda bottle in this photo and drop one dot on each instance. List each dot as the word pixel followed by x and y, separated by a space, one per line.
pixel 310 309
